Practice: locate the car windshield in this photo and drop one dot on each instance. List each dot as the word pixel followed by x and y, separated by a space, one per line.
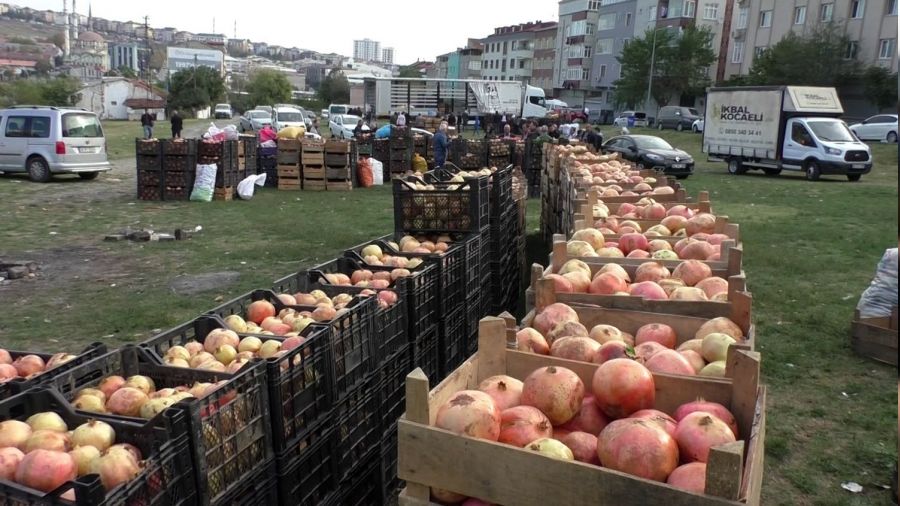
pixel 831 131
pixel 259 115
pixel 350 120
pixel 81 125
pixel 640 115
pixel 294 117
pixel 651 143
pixel 694 112
pixel 222 106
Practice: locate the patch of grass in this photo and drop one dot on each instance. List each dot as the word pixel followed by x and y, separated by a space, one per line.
pixel 810 250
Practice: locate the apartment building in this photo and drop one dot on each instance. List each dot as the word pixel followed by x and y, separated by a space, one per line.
pixel 615 27
pixel 366 50
pixel 387 55
pixel 871 26
pixel 544 59
pixel 577 28
pixel 509 52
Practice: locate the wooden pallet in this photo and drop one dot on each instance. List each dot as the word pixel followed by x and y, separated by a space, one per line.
pixel 223 193
pixel 431 457
pixel 875 338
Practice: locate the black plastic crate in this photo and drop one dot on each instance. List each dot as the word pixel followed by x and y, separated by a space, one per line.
pixel 260 488
pixel 448 208
pixel 300 382
pixel 166 477
pixel 350 334
pixel 425 354
pixel 474 314
pixel 364 488
pixel 149 184
pixel 228 428
pixel 390 381
pixel 390 482
pixel 358 428
pixel 19 385
pixel 453 339
pixel 148 162
pixel 182 147
pixel 473 245
pixel 306 471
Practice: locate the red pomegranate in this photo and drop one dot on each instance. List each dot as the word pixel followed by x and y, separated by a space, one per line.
pixel 553 315
pixel 611 350
pixel 560 284
pixel 583 446
pixel 690 477
pixel 698 432
pixel 631 242
pixel 639 448
pixel 657 332
pixel 651 271
pixel 471 413
pixel 645 351
pixel 648 290
pixel 521 425
pixel 532 341
pixel 556 391
pixel 670 362
pixel 713 408
pixel 622 386
pixel 589 418
pixel 45 470
pixel 505 390
pixel 607 283
pixel 692 272
pixel 575 348
pixel 665 422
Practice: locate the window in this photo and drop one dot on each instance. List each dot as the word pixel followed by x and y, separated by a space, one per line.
pixel 759 50
pixel 602 72
pixel 852 50
pixel 826 12
pixel 800 15
pixel 627 19
pixel 625 41
pixel 690 8
pixel 606 21
pixel 588 51
pixel 885 48
pixel 514 45
pixel 522 63
pixel 593 5
pixel 711 11
pixel 651 12
pixel 765 19
pixel 40 127
pixel 585 74
pixel 800 135
pixel 737 53
pixel 857 8
pixel 892 8
pixel 589 29
pixel 604 46
pixel 17 126
pixel 621 69
pixel 743 15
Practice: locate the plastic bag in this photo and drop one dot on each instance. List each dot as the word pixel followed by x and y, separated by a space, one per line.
pixel 364 173
pixel 268 144
pixel 204 183
pixel 377 172
pixel 267 135
pixel 214 133
pixel 245 187
pixel 231 133
pixel 292 132
pixel 881 295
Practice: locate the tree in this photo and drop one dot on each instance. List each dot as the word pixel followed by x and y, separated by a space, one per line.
pixel 680 66
pixel 335 89
pixel 815 59
pixel 267 87
pixel 880 86
pixel 195 88
pixel 409 71
pixel 62 91
pixel 43 67
pixel 58 39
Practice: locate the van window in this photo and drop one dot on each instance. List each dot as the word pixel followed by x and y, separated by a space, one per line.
pixel 338 109
pixel 81 125
pixel 40 128
pixel 800 135
pixel 640 115
pixel 537 101
pixel 693 112
pixel 17 126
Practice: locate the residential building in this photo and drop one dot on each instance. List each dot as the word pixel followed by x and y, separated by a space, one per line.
pixel 701 13
pixel 213 39
pixel 260 48
pixel 615 27
pixel 577 28
pixel 466 63
pixel 366 50
pixel 183 37
pixel 240 46
pixel 544 58
pixel 125 54
pixel 871 26
pixel 440 69
pixel 387 55
pixel 121 98
pixel 509 52
pixel 165 35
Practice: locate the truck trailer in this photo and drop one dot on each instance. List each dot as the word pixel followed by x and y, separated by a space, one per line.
pixel 775 128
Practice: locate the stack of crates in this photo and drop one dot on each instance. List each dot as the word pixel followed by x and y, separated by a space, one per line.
pixel 149 169
pixel 289 164
pixel 247 155
pixel 312 160
pixel 267 163
pixel 401 148
pixel 338 166
pixel 180 167
pixel 224 154
pixel 504 259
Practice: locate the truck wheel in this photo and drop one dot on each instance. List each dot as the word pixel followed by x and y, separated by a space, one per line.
pixel 735 167
pixel 679 127
pixel 854 177
pixel 812 170
pixel 38 170
pixel 892 137
pixel 772 172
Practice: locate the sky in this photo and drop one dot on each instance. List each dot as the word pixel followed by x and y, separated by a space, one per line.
pixel 419 29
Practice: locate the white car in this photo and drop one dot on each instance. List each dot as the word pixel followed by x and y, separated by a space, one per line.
pixel 222 111
pixel 697 126
pixel 284 117
pixel 882 127
pixel 640 119
pixel 342 125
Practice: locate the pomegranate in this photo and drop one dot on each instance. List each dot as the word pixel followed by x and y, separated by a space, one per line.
pixel 712 286
pixel 638 447
pixel 110 384
pixel 575 348
pixel 713 408
pixel 115 468
pixel 687 293
pixel 622 386
pixel 28 365
pixel 610 252
pixel 7 372
pixel 589 418
pixel 611 350
pixel 14 433
pixel 521 425
pixel 583 446
pixel 90 403
pixel 532 341
pixel 130 449
pixel 47 420
pixel 695 345
pixel 690 477
pixel 607 283
pixel 553 315
pixel 721 325
pixel 259 310
pixel 645 351
pixel 651 271
pixel 680 210
pixel 446 496
pixel 551 448
pixel 9 461
pixel 698 250
pixel 45 470
pixel 616 269
pixel 560 283
pixel 591 236
pixel 5 357
pixel 699 431
pixel 556 391
pixel 648 290
pixel 126 401
pixel 632 242
pixel 665 422
pixel 48 440
pixel 580 249
pixel 218 337
pixel 670 362
pixel 638 253
pixel 142 383
pixel 714 347
pixel 702 222
pixel 657 245
pixel 504 390
pixel 604 333
pixel 692 272
pixel 566 329
pixel 471 413
pixel 657 332
pixel 94 433
pixel 573 266
pixel 694 358
pixel 655 211
pixel 84 457
pixel 674 222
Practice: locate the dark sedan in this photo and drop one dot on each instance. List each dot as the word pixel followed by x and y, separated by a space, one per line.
pixel 649 152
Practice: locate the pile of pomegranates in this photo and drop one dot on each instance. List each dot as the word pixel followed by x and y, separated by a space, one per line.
pixel 610 422
pixel 28 366
pixel 557 332
pixel 43 453
pixel 137 396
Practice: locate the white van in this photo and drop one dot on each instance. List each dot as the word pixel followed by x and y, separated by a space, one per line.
pixel 44 141
pixel 283 117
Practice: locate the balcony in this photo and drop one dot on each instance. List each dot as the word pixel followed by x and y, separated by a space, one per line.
pixel 738 33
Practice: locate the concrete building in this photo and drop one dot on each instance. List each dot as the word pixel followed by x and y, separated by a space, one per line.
pixel 125 54
pixel 183 37
pixel 88 59
pixel 387 55
pixel 577 29
pixel 509 52
pixel 213 39
pixel 870 25
pixel 366 50
pixel 240 47
pixel 544 58
pixel 165 35
pixel 615 27
pixel 121 98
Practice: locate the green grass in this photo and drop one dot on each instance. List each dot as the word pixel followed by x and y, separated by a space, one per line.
pixel 810 250
pixel 120 135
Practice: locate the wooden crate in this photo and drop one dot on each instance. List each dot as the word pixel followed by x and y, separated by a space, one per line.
pixel 337 147
pixel 288 171
pixel 339 185
pixel 722 226
pixel 288 157
pixel 288 183
pixel 875 338
pixel 342 174
pixel 337 160
pixel 289 144
pixel 313 172
pixel 432 457
pixel 312 158
pixel 223 193
pixel 315 184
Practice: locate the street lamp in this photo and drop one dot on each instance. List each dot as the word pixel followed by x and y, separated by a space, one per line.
pixel 652 61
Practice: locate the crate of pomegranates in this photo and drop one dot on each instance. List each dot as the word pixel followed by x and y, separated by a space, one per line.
pixel 21 370
pixel 584 434
pixel 53 454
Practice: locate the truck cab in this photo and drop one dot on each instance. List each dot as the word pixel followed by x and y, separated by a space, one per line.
pixel 820 146
pixel 534 104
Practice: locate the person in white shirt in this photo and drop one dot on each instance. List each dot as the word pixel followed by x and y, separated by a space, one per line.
pixel 401 120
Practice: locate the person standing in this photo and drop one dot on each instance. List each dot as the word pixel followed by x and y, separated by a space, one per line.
pixel 451 120
pixel 401 119
pixel 147 123
pixel 441 145
pixel 463 120
pixel 177 125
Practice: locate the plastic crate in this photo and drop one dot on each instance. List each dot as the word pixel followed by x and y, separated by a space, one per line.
pixel 364 488
pixel 183 147
pixel 447 208
pixel 300 382
pixel 229 428
pixel 390 483
pixel 425 353
pixel 306 471
pixel 472 283
pixel 260 488
pixel 474 314
pixel 350 334
pixel 358 428
pixel 166 477
pixel 390 382
pixel 453 340
pixel 19 385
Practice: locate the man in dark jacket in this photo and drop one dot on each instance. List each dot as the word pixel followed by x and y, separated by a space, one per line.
pixel 147 124
pixel 177 125
pixel 441 145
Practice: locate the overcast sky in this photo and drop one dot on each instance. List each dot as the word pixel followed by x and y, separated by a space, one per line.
pixel 415 29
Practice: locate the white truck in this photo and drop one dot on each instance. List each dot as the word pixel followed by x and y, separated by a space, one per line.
pixel 386 96
pixel 782 127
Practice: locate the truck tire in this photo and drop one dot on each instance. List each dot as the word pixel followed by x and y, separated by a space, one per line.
pixel 735 167
pixel 38 170
pixel 812 170
pixel 772 172
pixel 853 177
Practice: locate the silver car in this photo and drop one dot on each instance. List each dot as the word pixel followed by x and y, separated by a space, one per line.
pixel 44 141
pixel 253 121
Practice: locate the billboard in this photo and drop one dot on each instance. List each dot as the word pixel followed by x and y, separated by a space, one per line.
pixel 180 58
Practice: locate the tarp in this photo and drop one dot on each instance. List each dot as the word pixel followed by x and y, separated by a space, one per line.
pixel 499 97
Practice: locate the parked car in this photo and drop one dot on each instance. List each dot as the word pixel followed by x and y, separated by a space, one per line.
pixel 677 117
pixel 43 141
pixel 266 108
pixel 284 117
pixel 877 128
pixel 622 120
pixel 698 125
pixel 342 125
pixel 323 114
pixel 223 111
pixel 253 121
pixel 650 152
